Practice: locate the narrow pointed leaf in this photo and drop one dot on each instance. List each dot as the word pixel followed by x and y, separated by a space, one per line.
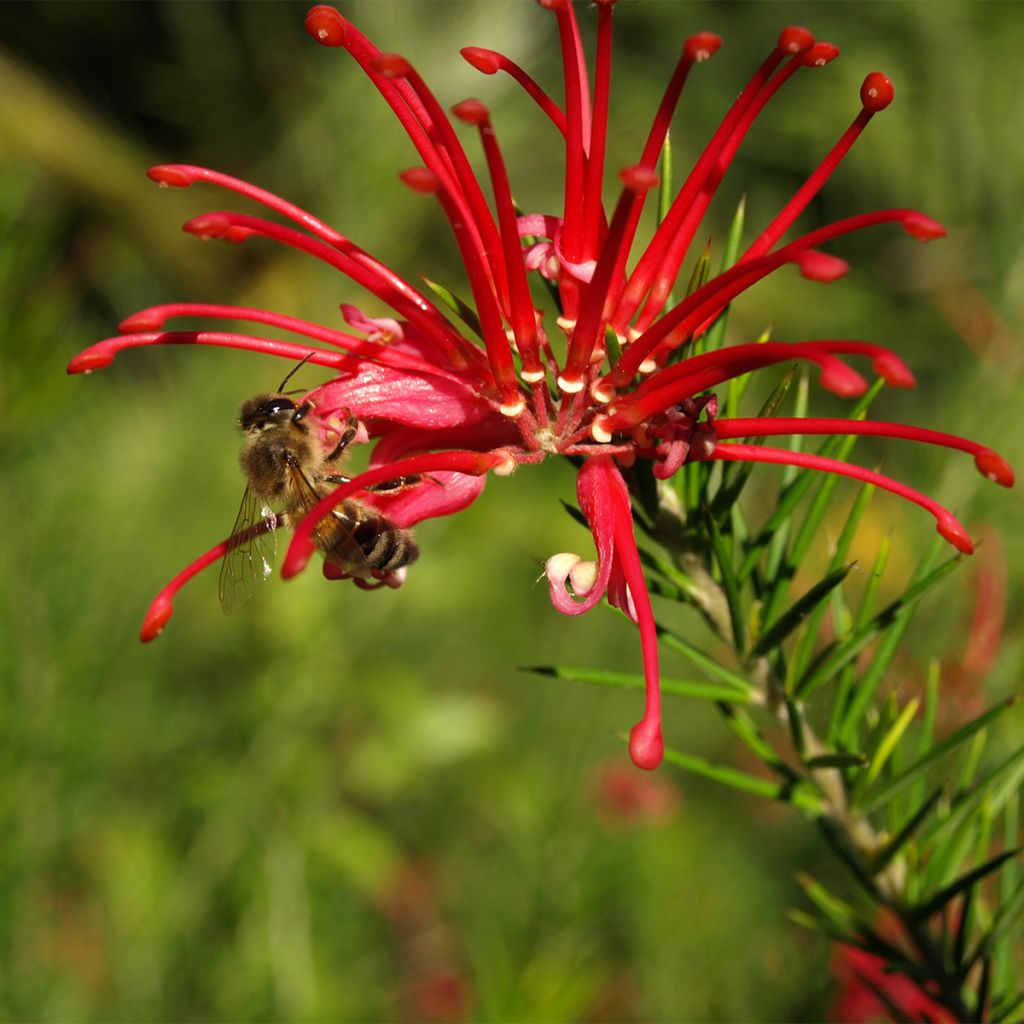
pixel 733 594
pixel 803 480
pixel 939 751
pixel 890 739
pixel 799 796
pixel 733 240
pixel 675 687
pixel 885 856
pixel 459 307
pixel 842 651
pixel 736 474
pixel 798 612
pixel 697 657
pixel 940 899
pixel 837 759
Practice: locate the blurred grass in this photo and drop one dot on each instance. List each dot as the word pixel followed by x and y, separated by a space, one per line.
pixel 221 825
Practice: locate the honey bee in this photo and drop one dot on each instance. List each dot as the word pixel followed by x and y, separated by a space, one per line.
pixel 285 466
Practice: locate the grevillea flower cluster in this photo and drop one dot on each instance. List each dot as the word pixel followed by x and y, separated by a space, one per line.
pixel 605 379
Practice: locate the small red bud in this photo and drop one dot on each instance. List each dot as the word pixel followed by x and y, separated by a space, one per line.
pixel 994 467
pixel 207 225
pixel 646 746
pixel 141 321
pixel 702 46
pixel 819 55
pixel 795 39
pixel 169 176
pixel 87 361
pixel 924 229
pixel 638 178
pixel 420 179
pixel 156 618
pixel 951 530
pixel 877 92
pixel 391 65
pixel 842 380
pixel 894 371
pixel 471 112
pixel 326 25
pixel 483 60
pixel 821 266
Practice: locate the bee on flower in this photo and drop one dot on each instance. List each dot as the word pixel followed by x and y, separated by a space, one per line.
pixel 608 376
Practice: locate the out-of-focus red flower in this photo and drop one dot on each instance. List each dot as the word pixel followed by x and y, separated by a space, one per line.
pixel 625 796
pixel 868 994
pixel 451 403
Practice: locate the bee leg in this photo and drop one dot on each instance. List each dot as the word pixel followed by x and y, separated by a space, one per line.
pixel 384 486
pixel 345 438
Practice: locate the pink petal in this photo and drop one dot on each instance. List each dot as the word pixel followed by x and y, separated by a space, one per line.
pixel 415 400
pixel 442 494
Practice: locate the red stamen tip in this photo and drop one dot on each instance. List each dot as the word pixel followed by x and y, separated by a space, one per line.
pixel 326 25
pixel 145 320
pixel 297 558
pixel 894 371
pixel 877 92
pixel 87 361
pixel 421 179
pixel 482 59
pixel 995 467
pixel 646 746
pixel 208 225
pixel 553 5
pixel 702 45
pixel 638 178
pixel 925 229
pixel 391 65
pixel 170 176
pixel 821 266
pixel 156 618
pixel 819 55
pixel 795 39
pixel 471 112
pixel 842 380
pixel 951 530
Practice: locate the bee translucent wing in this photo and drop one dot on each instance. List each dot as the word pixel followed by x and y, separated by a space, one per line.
pixel 334 537
pixel 250 559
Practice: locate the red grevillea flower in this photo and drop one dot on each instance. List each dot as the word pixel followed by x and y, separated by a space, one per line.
pixel 867 993
pixel 605 384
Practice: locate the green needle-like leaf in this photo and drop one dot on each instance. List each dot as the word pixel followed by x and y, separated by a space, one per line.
pixel 837 759
pixel 463 310
pixel 697 657
pixel 810 636
pixel 792 618
pixel 888 744
pixel 940 899
pixel 799 795
pixel 793 493
pixel 722 549
pixel 716 333
pixel 675 687
pixel 842 651
pixel 939 751
pixel 885 856
pixel 736 474
pixel 840 913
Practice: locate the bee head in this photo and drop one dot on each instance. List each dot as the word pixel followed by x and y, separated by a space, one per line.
pixel 266 410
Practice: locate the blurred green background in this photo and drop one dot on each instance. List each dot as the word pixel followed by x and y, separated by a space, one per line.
pixel 350 806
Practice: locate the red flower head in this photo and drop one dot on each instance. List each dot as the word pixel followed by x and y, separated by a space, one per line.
pixel 607 384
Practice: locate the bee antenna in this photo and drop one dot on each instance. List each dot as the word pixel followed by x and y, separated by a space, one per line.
pixel 291 373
